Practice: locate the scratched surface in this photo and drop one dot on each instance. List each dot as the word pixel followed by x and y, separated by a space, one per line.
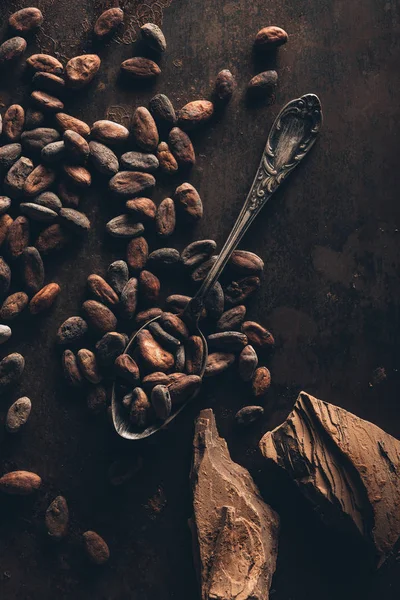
pixel 330 295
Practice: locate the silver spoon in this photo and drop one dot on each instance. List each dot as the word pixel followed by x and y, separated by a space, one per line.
pixel 292 135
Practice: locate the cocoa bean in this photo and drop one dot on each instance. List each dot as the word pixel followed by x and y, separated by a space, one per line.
pixel 248 362
pixel 56 518
pixel 139 161
pixel 154 356
pixel 232 318
pixel 166 159
pixel 230 341
pixel 163 258
pixel 194 350
pixel 161 401
pixel 13 306
pixel 225 85
pixel 184 388
pixel 141 410
pixel 68 194
pixel 109 347
pixel 39 180
pixel 198 252
pixel 189 201
pixel 140 68
pixel 36 139
pixel 5 204
pixel 18 414
pixel 96 548
pixel 176 376
pixel 260 381
pixel 48 82
pixel 248 415
pixel 129 298
pixel 15 179
pixel 5 222
pixel 147 315
pixel 11 49
pixel 144 129
pixel 34 118
pixel 143 209
pixel 5 333
pixel 65 122
pixel 76 147
pixel 218 362
pixel 166 340
pixel 103 159
pixel 44 298
pixel 200 272
pixel 124 226
pixel 109 132
pixel 97 399
pixel 87 364
pixel 11 369
pixel 100 289
pixel 26 19
pixel 195 113
pixel 154 37
pixel 13 122
pixel 45 63
pixel 174 325
pixel 238 291
pixel 263 84
pixel 246 263
pixel 53 153
pixel 149 287
pixel 126 184
pixel 47 102
pixel 270 37
pixel 71 370
pixel 137 252
pixel 9 154
pixel 99 317
pixel 180 358
pixel 18 236
pixel 162 110
pixel 20 483
pixel 80 176
pixel 181 147
pixel 52 238
pixel 177 302
pixel 126 368
pixel 37 212
pixel 5 277
pixel 166 218
pixel 72 331
pixel 49 200
pixel 74 220
pixel 257 334
pixel 153 379
pixel 214 302
pixel 118 275
pixel 108 22
pixel 81 70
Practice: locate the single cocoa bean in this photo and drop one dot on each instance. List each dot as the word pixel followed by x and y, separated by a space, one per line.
pixel 139 161
pixel 246 263
pixel 195 114
pixel 72 373
pixel 218 362
pixel 18 414
pixel 81 70
pixel 98 316
pixel 257 334
pixel 194 350
pixel 103 159
pixel 5 333
pixel 162 110
pixel 166 218
pixel 45 63
pixel 181 147
pixel 11 49
pixel 36 212
pixel 260 381
pixel 144 129
pixel 80 176
pixel 48 82
pixel 96 548
pixel 140 68
pixel 147 315
pixel 126 184
pixel 238 291
pixel 176 376
pixel 18 236
pixel 263 84
pixel 270 37
pixel 5 222
pixel 137 252
pixel 177 302
pixel 166 159
pixel 143 209
pixel 47 102
pixel 163 258
pixel 108 22
pixel 20 483
pixel 126 368
pixel 13 122
pixel 129 298
pixel 65 122
pixel 118 275
pixel 109 347
pixel 5 277
pixel 74 220
pixel 39 180
pixel 57 518
pixel 200 272
pixel 154 37
pixel 198 252
pixel 53 153
pixel 232 318
pixel 166 340
pixel 26 19
pixel 36 139
pixel 109 132
pixel 230 341
pixel 149 287
pixel 16 177
pixel 52 238
pixel 49 200
pixel 44 298
pixel 141 410
pixel 225 85
pixel 214 302
pixel 13 306
pixel 184 388
pixel 248 362
pixel 189 201
pixel 180 359
pixel 174 325
pixel 5 203
pixel 161 401
pixel 124 226
pixel 11 369
pixel 154 356
pixel 76 147
pixel 9 154
pixel 153 379
pixel 72 331
pixel 87 364
pixel 248 415
pixel 101 290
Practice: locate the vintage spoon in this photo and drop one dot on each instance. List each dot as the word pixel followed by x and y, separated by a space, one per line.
pixel 292 135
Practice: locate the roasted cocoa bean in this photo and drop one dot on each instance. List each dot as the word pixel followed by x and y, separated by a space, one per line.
pixel 74 220
pixel 154 37
pixel 214 302
pixel 5 277
pixel 189 201
pixel 139 161
pixel 140 68
pixel 166 159
pixel 109 132
pixel 180 358
pixel 195 113
pixel 18 236
pixel 48 82
pixel 218 362
pixel 198 252
pixel 166 218
pixel 9 154
pixel 26 19
pixel 5 333
pixel 203 269
pixel 141 410
pixel 48 200
pixel 232 318
pixel 80 176
pixel 96 548
pixel 149 287
pixel 124 226
pixel 32 270
pixel 129 298
pixel 13 306
pixel 11 49
pixel 147 315
pixel 18 414
pixel 136 254
pixel 238 291
pixel 194 350
pixel 177 302
pixel 65 122
pixel 248 415
pixel 225 85
pixel 126 368
pixel 108 22
pixel 36 139
pixel 45 63
pixel 230 341
pixel 144 129
pixel 126 184
pixel 248 361
pixel 98 316
pixel 44 298
pixel 142 209
pixel 71 370
pixel 5 204
pixel 52 238
pixel 161 401
pixel 34 118
pixel 76 147
pixel 81 70
pixel 246 263
pixel 162 110
pixel 16 177
pixel 72 331
pixel 47 102
pixel 39 180
pixel 183 388
pixel 258 335
pixel 261 381
pixel 13 122
pixel 57 518
pixel 101 290
pixel 97 399
pixel 103 159
pixel 166 340
pixel 181 147
pixel 153 379
pixel 11 369
pixel 20 483
pixel 109 347
pixel 163 258
pixel 87 364
pixel 174 325
pixel 154 356
pixel 53 153
pixel 263 84
pixel 270 37
pixel 118 275
pixel 5 222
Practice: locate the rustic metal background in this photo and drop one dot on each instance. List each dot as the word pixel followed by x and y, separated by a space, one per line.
pixel 330 295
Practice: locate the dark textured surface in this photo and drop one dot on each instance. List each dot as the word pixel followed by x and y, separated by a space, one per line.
pixel 330 296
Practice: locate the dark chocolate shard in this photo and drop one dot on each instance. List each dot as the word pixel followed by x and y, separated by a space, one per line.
pixel 234 532
pixel 347 467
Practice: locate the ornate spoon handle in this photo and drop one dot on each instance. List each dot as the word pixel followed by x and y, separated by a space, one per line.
pixel 293 133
